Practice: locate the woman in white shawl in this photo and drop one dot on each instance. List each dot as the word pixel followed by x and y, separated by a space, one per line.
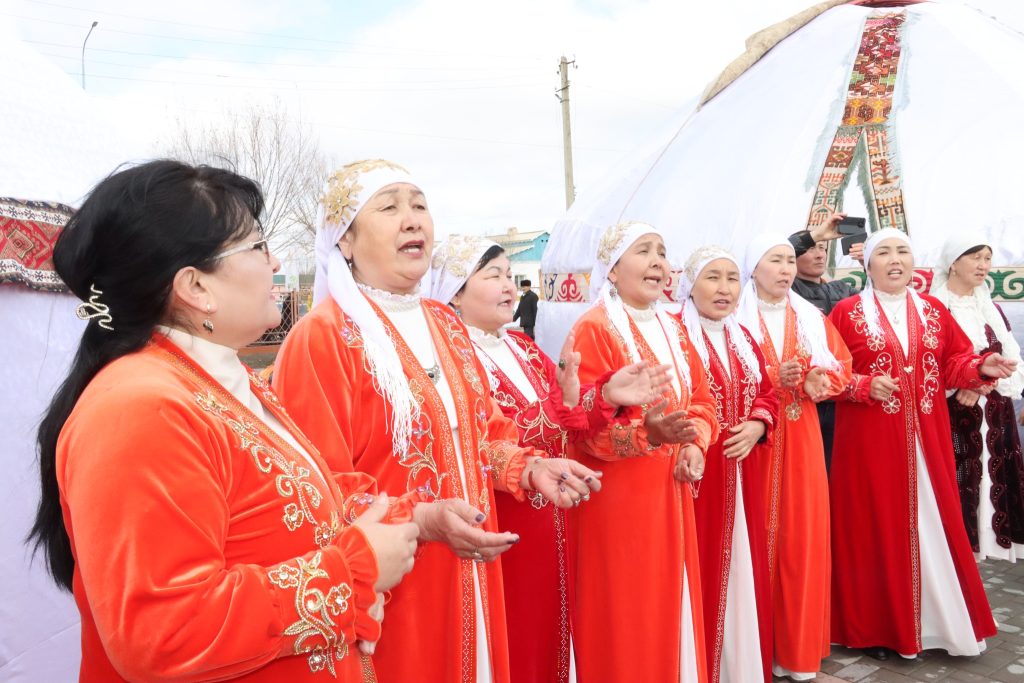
pixel 990 470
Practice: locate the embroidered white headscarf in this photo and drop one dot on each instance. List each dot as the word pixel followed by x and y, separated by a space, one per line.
pixel 810 323
pixel 691 316
pixel 346 193
pixel 452 264
pixel 613 244
pixel 867 295
pixel 952 250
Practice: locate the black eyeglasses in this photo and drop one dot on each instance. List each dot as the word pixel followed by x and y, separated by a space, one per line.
pixel 262 245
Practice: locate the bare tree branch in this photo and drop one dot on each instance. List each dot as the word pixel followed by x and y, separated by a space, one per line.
pixel 276 150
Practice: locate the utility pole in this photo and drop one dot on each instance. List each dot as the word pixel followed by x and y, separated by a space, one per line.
pixel 563 96
pixel 83 50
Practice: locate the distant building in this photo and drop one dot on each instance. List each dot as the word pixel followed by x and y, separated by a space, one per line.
pixel 524 250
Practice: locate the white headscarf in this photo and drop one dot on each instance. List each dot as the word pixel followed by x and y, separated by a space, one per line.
pixel 867 295
pixel 452 264
pixel 810 323
pixel 613 244
pixel 953 249
pixel 347 191
pixel 691 316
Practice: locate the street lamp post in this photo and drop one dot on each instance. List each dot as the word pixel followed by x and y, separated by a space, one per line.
pixel 83 51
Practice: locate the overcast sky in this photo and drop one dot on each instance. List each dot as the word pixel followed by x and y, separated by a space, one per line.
pixel 460 92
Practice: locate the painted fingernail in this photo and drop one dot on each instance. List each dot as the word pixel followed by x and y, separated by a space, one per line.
pixel 562 489
pixel 588 479
pixel 480 518
pixel 565 475
pixel 514 541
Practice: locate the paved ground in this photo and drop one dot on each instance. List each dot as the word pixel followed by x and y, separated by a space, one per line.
pixel 1002 662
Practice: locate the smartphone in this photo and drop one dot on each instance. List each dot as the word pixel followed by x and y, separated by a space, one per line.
pixel 851 225
pixel 848 242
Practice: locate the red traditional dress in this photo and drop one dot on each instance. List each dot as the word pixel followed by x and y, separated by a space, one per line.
pixel 904 574
pixel 796 493
pixel 538 601
pixel 210 540
pixel 633 549
pixel 446 620
pixel 730 518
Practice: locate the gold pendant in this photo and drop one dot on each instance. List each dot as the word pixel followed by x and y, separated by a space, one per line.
pixel 793 411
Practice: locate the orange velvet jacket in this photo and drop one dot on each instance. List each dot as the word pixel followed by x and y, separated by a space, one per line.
pixel 205 547
pixel 429 632
pixel 632 542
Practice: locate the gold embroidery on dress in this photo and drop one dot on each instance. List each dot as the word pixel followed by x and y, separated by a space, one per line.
pixel 315 611
pixel 455 254
pixel 292 480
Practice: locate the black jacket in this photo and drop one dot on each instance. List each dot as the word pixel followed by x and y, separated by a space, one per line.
pixel 823 295
pixel 527 309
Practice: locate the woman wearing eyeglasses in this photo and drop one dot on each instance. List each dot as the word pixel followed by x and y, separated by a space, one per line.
pixel 391 379
pixel 203 536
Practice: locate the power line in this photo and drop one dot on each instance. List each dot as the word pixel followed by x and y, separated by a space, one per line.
pixel 285 80
pixel 222 29
pixel 304 66
pixel 339 90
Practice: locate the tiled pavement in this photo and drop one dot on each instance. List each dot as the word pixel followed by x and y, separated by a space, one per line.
pixel 1002 662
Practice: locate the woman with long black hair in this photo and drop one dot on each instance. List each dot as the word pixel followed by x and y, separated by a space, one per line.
pixel 201 533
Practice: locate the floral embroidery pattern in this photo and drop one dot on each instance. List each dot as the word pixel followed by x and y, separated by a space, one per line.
pixel 931 327
pixel 292 480
pixel 929 382
pixel 876 342
pixel 341 203
pixel 315 611
pixel 610 241
pixel 458 254
pixel 883 367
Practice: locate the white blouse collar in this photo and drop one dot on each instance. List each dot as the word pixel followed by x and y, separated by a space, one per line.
pixel 220 362
pixel 763 305
pixel 486 340
pixel 887 298
pixel 640 315
pixel 390 302
pixel 710 325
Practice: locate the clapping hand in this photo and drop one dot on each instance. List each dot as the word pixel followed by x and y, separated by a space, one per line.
pixel 674 427
pixel 637 384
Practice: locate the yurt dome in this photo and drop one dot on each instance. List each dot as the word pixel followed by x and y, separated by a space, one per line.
pixel 57 143
pixel 903 112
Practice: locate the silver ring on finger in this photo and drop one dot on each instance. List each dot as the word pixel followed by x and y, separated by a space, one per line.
pixel 478 556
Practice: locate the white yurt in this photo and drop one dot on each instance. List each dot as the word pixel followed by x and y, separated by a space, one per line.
pixel 905 112
pixel 57 143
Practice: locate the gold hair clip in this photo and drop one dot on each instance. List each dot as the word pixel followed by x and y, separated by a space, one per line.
pixel 94 308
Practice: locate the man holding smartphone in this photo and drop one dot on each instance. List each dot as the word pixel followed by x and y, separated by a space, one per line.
pixel 811 260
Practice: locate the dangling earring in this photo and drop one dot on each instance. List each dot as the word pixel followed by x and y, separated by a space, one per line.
pixel 208 324
pixel 613 292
